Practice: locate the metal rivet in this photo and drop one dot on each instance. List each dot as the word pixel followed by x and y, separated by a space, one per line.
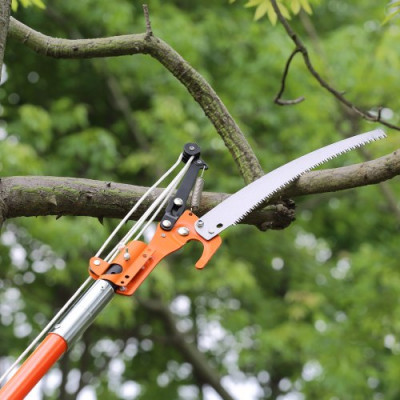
pixel 127 256
pixel 183 231
pixel 178 201
pixel 199 162
pixel 191 148
pixel 163 235
pixel 166 223
pixel 96 262
pixel 200 223
pixel 122 289
pixel 210 232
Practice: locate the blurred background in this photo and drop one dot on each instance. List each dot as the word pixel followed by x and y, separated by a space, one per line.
pixel 309 312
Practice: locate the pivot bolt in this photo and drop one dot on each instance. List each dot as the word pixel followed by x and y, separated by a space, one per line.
pixel 178 201
pixel 183 231
pixel 96 262
pixel 191 148
pixel 166 223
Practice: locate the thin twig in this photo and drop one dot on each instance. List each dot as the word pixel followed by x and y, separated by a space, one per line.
pixel 278 99
pixel 149 31
pixel 303 49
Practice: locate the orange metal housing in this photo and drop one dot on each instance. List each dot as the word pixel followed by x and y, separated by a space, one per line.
pixel 143 258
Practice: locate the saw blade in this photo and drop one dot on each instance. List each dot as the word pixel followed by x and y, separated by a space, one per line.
pixel 235 208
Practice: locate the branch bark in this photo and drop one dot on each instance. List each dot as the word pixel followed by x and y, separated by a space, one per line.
pixel 145 43
pixel 5 9
pixel 38 196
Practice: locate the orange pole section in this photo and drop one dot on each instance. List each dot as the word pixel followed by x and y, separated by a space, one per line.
pixel 34 368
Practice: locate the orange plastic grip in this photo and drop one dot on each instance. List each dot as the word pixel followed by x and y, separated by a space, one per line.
pixel 34 368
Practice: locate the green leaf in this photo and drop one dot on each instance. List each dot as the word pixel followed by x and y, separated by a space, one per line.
pixel 390 16
pixel 27 3
pixel 253 3
pixel 283 9
pixel 306 6
pixel 39 4
pixel 295 6
pixel 272 16
pixel 261 10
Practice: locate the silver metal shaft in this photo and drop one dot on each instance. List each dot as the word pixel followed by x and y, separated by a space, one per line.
pixel 84 311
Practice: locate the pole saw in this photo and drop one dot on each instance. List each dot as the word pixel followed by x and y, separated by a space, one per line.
pixel 128 264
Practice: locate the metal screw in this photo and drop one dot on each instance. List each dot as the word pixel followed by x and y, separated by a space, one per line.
pixel 122 289
pixel 178 201
pixel 127 256
pixel 191 148
pixel 96 262
pixel 183 231
pixel 199 162
pixel 200 223
pixel 163 235
pixel 166 223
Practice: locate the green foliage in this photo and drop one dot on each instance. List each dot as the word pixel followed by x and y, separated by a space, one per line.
pixel 27 3
pixel 394 11
pixel 286 7
pixel 311 309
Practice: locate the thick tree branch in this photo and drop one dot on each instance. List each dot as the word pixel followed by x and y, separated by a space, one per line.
pixel 339 96
pixel 37 196
pixel 201 367
pixel 332 180
pixel 197 86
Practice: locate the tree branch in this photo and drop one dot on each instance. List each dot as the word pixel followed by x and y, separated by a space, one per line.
pixel 38 196
pixel 149 31
pixel 5 9
pixel 339 96
pixel 278 99
pixel 352 176
pixel 197 86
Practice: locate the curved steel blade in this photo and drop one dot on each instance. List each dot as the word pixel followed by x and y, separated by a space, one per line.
pixel 236 207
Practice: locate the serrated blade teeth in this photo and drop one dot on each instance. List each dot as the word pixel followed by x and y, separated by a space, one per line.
pixel 236 207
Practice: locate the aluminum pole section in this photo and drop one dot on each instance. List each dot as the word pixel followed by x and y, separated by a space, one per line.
pixel 56 343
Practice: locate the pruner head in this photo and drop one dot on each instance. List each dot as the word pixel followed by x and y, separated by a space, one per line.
pixel 143 258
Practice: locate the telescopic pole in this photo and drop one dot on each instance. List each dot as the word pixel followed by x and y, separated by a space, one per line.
pixel 56 343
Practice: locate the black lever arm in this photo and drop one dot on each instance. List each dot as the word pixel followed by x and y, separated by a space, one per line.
pixel 177 204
